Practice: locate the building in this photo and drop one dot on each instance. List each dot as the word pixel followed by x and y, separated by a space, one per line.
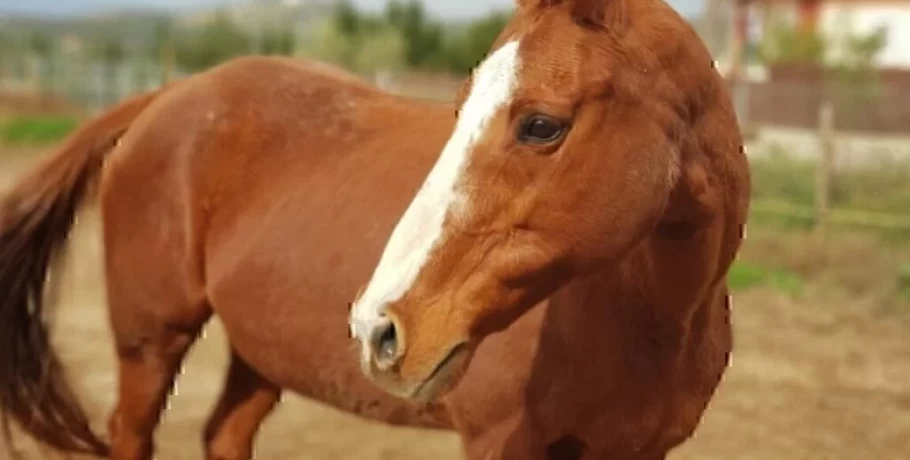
pixel 791 93
pixel 837 20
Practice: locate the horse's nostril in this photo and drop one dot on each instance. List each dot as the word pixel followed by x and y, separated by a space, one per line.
pixel 386 342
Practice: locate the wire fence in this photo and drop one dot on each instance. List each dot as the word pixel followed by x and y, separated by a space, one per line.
pixel 851 170
pixel 91 86
pixel 87 85
pixel 827 176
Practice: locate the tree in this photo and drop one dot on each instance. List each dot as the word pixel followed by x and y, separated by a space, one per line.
pixel 108 49
pixel 786 44
pixel 278 41
pixel 404 35
pixel 386 50
pixel 330 44
pixel 470 47
pixel 6 43
pixel 9 50
pixel 40 43
pixel 162 48
pixel 382 50
pixel 856 72
pixel 163 37
pixel 423 37
pixel 214 43
pixel 347 19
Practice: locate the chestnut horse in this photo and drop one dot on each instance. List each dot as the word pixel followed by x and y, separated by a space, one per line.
pixel 556 288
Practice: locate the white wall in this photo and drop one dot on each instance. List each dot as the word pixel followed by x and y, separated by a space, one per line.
pixel 838 19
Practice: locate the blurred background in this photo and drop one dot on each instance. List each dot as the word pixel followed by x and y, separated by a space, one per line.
pixel 822 288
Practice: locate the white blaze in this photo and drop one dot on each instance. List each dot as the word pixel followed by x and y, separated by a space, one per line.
pixel 420 229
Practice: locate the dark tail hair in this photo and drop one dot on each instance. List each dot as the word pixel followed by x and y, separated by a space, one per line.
pixel 35 220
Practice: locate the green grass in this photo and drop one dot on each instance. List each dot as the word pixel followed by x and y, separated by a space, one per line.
pixel 844 265
pixel 744 275
pixel 781 176
pixel 876 187
pixel 36 130
pixel 903 281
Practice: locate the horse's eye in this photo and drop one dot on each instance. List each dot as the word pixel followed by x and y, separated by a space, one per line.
pixel 540 129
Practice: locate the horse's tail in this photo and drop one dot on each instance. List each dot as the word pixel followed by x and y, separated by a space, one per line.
pixel 35 220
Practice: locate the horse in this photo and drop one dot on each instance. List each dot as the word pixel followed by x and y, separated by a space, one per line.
pixel 552 285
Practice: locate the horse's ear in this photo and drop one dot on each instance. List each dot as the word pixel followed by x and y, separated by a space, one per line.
pixel 590 11
pixel 536 4
pixel 585 11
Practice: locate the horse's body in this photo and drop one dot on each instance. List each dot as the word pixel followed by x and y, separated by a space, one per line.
pixel 264 191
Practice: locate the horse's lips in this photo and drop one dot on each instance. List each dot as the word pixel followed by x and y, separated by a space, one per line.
pixel 427 389
pixel 430 387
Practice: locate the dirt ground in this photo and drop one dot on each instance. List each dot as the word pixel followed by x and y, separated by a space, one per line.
pixel 808 381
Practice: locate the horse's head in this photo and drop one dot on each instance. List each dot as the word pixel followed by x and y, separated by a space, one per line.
pixel 563 158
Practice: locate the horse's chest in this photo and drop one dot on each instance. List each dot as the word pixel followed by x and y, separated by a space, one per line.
pixel 578 402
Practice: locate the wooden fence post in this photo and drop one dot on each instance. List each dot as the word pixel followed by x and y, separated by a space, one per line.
pixel 825 165
pixel 737 52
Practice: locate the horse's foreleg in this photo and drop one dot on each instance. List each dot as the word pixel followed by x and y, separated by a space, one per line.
pixel 246 400
pixel 513 439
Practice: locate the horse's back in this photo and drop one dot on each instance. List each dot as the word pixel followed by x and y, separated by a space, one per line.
pixel 218 141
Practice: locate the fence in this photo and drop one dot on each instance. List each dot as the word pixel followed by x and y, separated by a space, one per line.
pixel 815 160
pixel 793 97
pixel 91 86
pixel 88 85
pixel 827 176
pixel 823 155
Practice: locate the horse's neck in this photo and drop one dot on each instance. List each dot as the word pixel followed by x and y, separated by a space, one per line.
pixel 652 303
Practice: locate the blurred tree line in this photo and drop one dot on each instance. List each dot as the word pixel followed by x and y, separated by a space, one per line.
pixel 401 36
pixel 219 40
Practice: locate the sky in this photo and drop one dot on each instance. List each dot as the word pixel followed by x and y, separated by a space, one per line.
pixel 445 8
